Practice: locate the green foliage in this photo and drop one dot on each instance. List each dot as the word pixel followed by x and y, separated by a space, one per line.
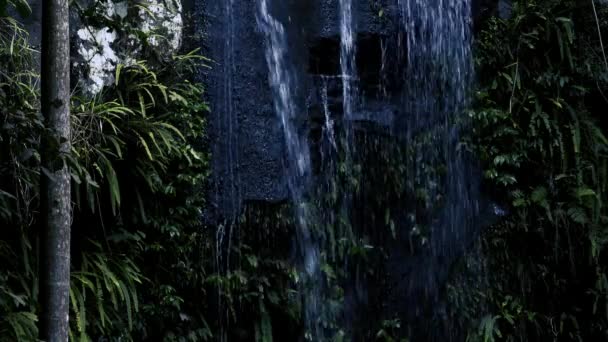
pixel 137 121
pixel 137 154
pixel 138 169
pixel 20 127
pixel 539 130
pixel 110 285
pixel 22 7
pixel 21 123
pixel 390 328
pixel 144 268
pixel 255 279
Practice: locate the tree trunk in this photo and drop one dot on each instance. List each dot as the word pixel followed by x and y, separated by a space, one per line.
pixel 54 178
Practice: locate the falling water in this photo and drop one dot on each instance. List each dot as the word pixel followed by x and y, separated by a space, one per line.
pixel 436 41
pixel 281 81
pixel 347 59
pixel 328 125
pixel 383 68
pixel 230 117
pixel 437 79
pixel 298 158
pixel 227 121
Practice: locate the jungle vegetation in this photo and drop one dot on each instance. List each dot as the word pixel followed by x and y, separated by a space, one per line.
pixel 144 266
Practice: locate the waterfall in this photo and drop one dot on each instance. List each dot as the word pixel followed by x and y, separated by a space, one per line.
pixel 438 42
pixel 298 165
pixel 230 115
pixel 328 125
pixel 347 59
pixel 229 148
pixel 437 79
pixel 435 38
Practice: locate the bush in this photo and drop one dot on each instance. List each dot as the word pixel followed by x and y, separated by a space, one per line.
pixel 539 130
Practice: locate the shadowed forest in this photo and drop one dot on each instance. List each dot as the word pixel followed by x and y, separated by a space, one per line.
pixel 319 170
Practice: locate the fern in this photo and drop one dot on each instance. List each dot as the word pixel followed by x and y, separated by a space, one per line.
pixel 100 278
pixel 542 130
pixel 19 326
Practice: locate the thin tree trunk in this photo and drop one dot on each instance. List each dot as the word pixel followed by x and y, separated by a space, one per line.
pixel 55 179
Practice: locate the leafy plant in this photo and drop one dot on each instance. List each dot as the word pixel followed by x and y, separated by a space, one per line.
pixel 22 7
pixel 110 285
pixel 138 168
pixel 539 130
pixel 20 126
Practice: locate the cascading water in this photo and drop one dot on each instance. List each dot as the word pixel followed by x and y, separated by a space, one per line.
pixel 435 38
pixel 438 42
pixel 230 115
pixel 347 60
pixel 227 121
pixel 298 159
pixel 328 125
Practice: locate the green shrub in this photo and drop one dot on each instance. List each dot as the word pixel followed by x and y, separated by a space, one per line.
pixel 539 131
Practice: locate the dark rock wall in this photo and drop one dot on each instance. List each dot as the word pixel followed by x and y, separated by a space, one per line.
pixel 247 140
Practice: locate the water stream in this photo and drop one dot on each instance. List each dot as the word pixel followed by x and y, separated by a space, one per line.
pixel 437 79
pixel 328 125
pixel 347 60
pixel 298 166
pixel 435 38
pixel 227 120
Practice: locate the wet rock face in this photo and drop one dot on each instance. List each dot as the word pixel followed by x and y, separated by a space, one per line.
pixel 247 143
pixel 101 37
pixel 246 139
